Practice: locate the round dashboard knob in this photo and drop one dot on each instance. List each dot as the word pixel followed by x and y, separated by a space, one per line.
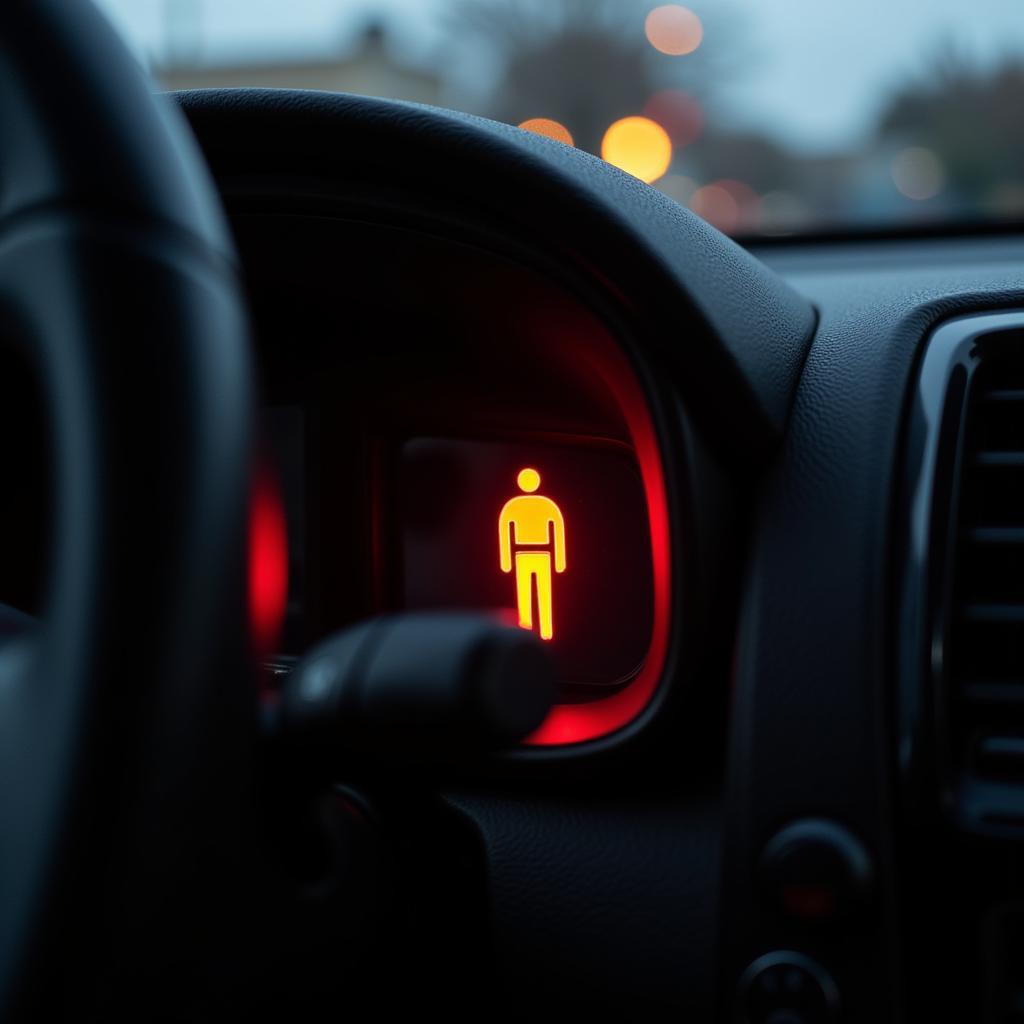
pixel 816 871
pixel 787 988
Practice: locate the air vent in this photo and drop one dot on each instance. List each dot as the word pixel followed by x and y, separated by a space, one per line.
pixel 982 712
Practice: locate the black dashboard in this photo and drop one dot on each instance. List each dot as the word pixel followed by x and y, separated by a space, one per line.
pixel 498 375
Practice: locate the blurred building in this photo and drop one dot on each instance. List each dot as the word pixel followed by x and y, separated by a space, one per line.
pixel 371 68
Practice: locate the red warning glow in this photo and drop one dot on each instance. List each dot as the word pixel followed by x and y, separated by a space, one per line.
pixel 268 563
pixel 579 722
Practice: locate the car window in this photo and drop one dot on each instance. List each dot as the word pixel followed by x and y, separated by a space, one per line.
pixel 765 118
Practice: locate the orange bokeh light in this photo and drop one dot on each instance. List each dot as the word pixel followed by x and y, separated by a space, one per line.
pixel 674 30
pixel 549 129
pixel 528 525
pixel 639 146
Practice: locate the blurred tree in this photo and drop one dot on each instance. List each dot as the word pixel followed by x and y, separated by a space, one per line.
pixel 760 161
pixel 584 63
pixel 969 117
pixel 183 31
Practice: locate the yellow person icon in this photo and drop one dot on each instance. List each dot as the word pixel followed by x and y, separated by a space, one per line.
pixel 530 524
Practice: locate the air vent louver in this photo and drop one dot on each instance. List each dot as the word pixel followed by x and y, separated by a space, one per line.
pixel 984 706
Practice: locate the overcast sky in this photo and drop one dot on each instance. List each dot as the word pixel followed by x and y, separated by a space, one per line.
pixel 818 73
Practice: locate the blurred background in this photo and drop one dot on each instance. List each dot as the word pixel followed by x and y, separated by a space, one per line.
pixel 766 117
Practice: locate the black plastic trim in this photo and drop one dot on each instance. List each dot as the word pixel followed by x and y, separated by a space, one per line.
pixel 935 454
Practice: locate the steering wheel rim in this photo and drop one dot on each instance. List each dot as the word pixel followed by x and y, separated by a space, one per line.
pixel 126 717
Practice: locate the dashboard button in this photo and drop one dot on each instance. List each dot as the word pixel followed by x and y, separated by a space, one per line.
pixel 787 988
pixel 816 871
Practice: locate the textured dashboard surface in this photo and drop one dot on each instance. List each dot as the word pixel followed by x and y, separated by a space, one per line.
pixel 735 328
pixel 814 685
pixel 604 899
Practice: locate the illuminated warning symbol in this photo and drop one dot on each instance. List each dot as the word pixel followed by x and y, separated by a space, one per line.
pixel 531 529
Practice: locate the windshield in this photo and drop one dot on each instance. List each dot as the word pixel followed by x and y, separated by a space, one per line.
pixel 766 118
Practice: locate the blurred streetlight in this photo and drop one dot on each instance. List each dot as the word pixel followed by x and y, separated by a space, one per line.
pixel 639 146
pixel 673 30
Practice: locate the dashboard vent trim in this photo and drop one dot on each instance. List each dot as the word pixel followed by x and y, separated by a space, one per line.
pixel 986 633
pixel 962 612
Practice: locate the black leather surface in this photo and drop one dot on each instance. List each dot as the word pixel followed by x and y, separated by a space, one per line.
pixel 815 688
pixel 736 332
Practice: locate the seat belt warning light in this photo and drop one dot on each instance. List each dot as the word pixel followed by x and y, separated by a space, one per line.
pixel 531 536
pixel 571 562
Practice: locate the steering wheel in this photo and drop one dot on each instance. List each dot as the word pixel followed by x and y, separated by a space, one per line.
pixel 126 713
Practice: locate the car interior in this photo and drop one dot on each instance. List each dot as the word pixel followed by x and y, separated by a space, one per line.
pixel 443 573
